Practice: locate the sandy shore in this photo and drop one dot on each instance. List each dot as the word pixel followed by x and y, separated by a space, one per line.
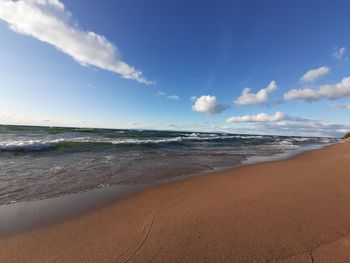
pixel 296 210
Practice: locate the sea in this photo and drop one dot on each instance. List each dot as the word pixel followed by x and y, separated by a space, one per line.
pixel 43 162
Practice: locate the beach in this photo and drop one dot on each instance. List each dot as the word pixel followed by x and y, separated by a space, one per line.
pixel 294 210
pixel 174 131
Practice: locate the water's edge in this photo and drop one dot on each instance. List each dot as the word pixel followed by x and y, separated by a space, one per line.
pixel 28 215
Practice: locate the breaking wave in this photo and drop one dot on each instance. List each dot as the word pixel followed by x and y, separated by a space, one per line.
pixel 25 145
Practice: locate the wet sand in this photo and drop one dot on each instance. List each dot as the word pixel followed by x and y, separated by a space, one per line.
pixel 295 210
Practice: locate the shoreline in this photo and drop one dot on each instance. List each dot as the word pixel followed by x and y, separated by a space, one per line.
pixel 38 214
pixel 294 210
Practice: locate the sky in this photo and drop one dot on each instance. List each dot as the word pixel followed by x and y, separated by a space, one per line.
pixel 257 67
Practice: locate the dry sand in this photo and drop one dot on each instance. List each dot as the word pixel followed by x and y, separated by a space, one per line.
pixel 295 210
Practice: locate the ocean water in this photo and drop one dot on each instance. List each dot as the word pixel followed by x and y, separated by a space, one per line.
pixel 42 162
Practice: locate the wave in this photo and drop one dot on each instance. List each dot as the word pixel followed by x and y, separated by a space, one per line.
pixel 29 145
pixel 49 144
pixel 54 143
pixel 287 143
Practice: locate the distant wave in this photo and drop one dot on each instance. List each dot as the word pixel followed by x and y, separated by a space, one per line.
pixel 42 145
pixel 23 145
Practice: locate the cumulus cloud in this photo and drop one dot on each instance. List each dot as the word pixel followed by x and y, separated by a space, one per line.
pixel 339 53
pixel 314 74
pixel 170 97
pixel 330 91
pixel 208 104
pixel 281 123
pixel 248 98
pixel 50 22
pixel 260 117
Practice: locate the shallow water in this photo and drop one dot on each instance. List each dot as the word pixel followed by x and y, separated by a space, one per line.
pixel 41 162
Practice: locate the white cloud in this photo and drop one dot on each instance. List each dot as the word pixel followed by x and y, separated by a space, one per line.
pixel 208 105
pixel 48 21
pixel 306 127
pixel 6 117
pixel 134 123
pixel 261 97
pixel 281 123
pixel 339 53
pixel 173 97
pixel 260 117
pixel 171 125
pixel 170 97
pixel 343 106
pixel 330 91
pixel 314 74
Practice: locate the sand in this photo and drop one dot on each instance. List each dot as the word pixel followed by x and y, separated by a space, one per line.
pixel 295 210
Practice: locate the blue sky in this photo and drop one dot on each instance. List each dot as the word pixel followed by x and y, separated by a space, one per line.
pixel 178 65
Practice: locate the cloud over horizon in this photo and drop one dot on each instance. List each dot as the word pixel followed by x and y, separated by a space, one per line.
pixel 260 117
pixel 314 74
pixel 304 127
pixel 208 104
pixel 286 124
pixel 261 97
pixel 49 22
pixel 329 91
